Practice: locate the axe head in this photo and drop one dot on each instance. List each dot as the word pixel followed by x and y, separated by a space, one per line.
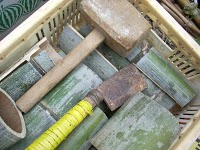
pixel 118 20
pixel 121 86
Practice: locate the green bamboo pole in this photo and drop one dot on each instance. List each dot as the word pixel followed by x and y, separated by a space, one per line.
pixel 18 82
pixel 162 73
pixel 140 123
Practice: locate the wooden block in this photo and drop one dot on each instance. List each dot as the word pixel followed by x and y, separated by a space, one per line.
pixel 17 83
pixel 37 121
pixel 69 39
pixel 71 90
pixel 170 81
pixel 122 33
pixel 140 123
pixel 79 139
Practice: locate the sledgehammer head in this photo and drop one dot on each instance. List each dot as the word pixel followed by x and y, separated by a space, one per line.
pixel 122 25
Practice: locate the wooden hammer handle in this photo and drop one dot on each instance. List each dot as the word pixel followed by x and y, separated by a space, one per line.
pixel 56 74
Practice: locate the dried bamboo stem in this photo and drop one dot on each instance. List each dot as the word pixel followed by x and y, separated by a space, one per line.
pixel 195 12
pixel 186 21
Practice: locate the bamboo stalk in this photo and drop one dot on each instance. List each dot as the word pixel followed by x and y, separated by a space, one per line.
pixel 186 21
pixel 195 12
pixel 181 22
pixel 137 125
pixel 12 126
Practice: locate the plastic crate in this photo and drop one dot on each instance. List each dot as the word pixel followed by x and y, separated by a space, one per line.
pixel 51 18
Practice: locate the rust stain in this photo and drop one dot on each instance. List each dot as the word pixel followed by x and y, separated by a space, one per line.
pixel 121 86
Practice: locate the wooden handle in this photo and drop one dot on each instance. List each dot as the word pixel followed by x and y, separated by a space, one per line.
pixel 44 85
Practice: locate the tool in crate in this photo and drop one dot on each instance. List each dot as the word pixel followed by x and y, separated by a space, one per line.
pixel 118 51
pixel 115 25
pixel 119 30
pixel 114 91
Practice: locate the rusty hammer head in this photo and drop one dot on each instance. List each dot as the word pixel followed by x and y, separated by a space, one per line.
pixel 118 88
pixel 119 21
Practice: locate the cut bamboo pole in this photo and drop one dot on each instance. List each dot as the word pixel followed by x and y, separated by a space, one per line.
pixel 12 126
pixel 37 121
pixel 162 73
pixel 19 81
pixel 139 124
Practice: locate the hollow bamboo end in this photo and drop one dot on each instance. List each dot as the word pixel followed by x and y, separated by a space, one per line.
pixel 12 125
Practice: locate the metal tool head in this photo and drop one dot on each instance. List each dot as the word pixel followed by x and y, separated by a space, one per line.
pixel 120 22
pixel 121 86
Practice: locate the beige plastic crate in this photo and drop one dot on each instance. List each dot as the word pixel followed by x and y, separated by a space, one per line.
pixel 51 18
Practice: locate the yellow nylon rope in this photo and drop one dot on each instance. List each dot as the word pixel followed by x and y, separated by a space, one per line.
pixel 51 138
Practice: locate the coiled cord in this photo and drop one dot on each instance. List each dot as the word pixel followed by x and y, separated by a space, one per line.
pixel 51 138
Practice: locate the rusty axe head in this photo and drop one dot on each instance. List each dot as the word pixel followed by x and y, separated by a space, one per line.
pixel 119 87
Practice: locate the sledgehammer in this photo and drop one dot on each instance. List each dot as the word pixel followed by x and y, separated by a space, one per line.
pixel 114 91
pixel 116 22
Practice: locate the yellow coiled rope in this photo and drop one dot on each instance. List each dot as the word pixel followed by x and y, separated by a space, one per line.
pixel 51 138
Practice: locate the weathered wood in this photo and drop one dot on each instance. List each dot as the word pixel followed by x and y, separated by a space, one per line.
pixel 17 83
pixel 170 81
pixel 71 90
pixel 70 38
pixel 12 126
pixel 140 123
pixel 37 120
pixel 79 139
